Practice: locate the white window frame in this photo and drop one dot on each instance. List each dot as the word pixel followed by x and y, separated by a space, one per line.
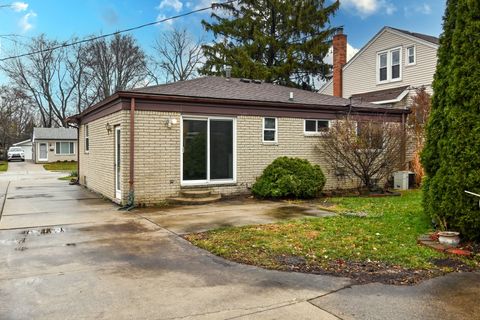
pixel 407 55
pixel 57 152
pixel 389 65
pixel 378 67
pixel 316 133
pixel 268 129
pixel 209 181
pixel 86 139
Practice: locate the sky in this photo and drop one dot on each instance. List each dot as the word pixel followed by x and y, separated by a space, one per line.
pixel 63 19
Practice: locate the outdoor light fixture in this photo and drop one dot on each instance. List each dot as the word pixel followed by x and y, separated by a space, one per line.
pixel 108 126
pixel 170 122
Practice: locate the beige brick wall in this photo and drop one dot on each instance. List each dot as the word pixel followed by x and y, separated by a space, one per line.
pixel 97 166
pixel 52 156
pixel 157 155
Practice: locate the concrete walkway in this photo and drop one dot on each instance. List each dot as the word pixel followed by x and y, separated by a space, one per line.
pixel 68 254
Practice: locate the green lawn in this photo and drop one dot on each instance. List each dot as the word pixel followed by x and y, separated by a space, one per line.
pixel 3 166
pixel 388 235
pixel 61 166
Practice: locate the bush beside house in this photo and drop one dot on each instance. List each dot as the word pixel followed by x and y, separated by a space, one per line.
pixel 290 177
pixel 451 156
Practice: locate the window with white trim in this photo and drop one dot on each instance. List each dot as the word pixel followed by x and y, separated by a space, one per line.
pixel 389 66
pixel 316 126
pixel 383 67
pixel 64 148
pixel 411 56
pixel 87 139
pixel 269 129
pixel 395 55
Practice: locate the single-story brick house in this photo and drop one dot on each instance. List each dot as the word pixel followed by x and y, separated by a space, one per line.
pixel 212 132
pixel 54 144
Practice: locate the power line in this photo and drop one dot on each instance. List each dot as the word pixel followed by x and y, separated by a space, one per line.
pixel 69 44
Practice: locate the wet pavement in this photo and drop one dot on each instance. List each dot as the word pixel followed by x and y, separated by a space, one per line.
pixel 66 253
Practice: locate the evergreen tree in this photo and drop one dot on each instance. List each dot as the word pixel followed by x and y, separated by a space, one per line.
pixel 452 153
pixel 278 41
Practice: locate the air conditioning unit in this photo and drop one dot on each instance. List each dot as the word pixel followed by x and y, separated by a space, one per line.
pixel 403 180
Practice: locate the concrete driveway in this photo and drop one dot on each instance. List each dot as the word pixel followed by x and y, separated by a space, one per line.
pixel 66 253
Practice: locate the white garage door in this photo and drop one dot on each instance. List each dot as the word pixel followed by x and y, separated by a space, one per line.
pixel 28 151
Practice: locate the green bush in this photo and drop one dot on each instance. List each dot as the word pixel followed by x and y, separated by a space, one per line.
pixel 289 177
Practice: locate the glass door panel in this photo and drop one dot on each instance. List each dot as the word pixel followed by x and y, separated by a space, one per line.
pixel 221 149
pixel 195 149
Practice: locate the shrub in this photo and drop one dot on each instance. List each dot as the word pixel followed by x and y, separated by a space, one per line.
pixel 289 177
pixel 451 155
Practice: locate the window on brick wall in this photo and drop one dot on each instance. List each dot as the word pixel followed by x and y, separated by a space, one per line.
pixel 87 139
pixel 316 126
pixel 269 129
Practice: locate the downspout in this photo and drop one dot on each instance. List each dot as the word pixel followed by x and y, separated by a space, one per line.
pixel 404 144
pixel 131 182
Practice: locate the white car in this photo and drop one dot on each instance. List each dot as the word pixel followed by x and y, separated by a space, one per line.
pixel 16 153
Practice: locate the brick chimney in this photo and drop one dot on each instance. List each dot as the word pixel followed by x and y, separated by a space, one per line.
pixel 339 60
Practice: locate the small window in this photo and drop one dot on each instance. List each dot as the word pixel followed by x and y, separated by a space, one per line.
pixel 64 148
pixel 87 140
pixel 269 129
pixel 383 67
pixel 396 64
pixel 411 55
pixel 316 126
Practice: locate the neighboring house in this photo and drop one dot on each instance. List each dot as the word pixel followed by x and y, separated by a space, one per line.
pixel 54 144
pixel 217 133
pixel 27 148
pixel 387 70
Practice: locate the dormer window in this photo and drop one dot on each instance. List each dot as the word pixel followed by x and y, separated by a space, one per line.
pixel 411 56
pixel 389 66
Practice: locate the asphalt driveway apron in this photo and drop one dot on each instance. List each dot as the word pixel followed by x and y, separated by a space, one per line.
pixel 67 254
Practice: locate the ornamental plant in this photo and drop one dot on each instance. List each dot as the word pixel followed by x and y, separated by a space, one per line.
pixel 290 178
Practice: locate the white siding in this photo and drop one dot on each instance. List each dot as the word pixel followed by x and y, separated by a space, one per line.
pixel 360 76
pixel 327 89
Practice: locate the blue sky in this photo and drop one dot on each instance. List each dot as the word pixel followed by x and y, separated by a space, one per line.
pixel 62 19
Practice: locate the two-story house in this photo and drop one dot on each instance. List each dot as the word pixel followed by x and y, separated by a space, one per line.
pixel 387 70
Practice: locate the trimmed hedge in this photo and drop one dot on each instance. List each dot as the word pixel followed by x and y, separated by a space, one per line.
pixel 290 177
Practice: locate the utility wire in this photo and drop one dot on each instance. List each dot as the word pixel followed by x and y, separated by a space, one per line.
pixel 69 44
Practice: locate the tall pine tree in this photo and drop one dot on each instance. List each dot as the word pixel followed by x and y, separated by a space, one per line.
pixel 278 41
pixel 452 153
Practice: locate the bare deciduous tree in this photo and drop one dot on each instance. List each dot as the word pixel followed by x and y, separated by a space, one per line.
pixel 367 150
pixel 118 64
pixel 55 80
pixel 417 122
pixel 16 116
pixel 178 55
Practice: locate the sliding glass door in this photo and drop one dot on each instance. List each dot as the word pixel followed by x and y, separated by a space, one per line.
pixel 208 150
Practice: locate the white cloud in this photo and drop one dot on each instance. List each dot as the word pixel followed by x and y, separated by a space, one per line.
pixel 176 5
pixel 25 22
pixel 423 8
pixel 19 6
pixel 351 51
pixel 203 4
pixel 366 8
pixel 161 17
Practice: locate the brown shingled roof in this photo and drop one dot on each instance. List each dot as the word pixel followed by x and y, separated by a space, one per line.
pixel 240 89
pixel 381 95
